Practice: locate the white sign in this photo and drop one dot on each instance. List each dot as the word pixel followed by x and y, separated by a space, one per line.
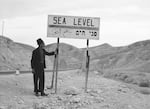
pixel 73 27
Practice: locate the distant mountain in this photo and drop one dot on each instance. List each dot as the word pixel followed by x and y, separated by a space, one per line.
pixel 127 57
pixel 14 55
pixel 69 56
pixel 136 56
pixel 127 63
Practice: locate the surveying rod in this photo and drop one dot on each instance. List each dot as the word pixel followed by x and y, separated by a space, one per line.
pixel 57 55
pixel 87 65
pixel 54 69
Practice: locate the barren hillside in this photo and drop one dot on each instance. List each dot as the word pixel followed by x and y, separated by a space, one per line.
pixel 69 56
pixel 127 63
pixel 14 55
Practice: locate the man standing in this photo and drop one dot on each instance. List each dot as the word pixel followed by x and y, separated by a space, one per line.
pixel 38 65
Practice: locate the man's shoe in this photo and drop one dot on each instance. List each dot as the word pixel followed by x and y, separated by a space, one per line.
pixel 36 90
pixel 36 94
pixel 44 94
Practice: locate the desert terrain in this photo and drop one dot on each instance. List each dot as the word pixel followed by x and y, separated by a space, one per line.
pixel 16 92
pixel 119 77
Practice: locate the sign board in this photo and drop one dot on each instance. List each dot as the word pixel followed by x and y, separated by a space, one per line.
pixel 73 27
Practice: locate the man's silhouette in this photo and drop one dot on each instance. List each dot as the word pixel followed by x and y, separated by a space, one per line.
pixel 38 65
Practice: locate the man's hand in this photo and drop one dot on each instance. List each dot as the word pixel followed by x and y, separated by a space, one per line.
pixel 33 71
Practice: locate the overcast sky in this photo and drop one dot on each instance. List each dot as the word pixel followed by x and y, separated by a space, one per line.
pixel 122 22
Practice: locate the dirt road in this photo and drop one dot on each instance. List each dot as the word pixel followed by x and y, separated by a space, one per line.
pixel 16 92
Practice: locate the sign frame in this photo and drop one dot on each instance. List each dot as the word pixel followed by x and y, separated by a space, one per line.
pixel 76 27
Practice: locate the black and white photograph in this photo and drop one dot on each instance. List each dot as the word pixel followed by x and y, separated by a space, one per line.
pixel 74 54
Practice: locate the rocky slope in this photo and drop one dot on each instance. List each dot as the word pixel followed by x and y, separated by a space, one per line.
pixel 128 57
pixel 14 55
pixel 69 56
pixel 127 63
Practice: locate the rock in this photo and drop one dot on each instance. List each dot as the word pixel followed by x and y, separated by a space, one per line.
pixel 122 90
pixel 20 102
pixel 94 93
pixel 71 91
pixel 99 99
pixel 59 98
pixel 75 100
pixel 40 106
pixel 86 102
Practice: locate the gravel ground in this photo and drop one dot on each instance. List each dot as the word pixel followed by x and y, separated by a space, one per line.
pixel 16 92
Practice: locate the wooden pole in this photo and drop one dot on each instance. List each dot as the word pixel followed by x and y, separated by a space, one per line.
pixel 87 65
pixel 57 55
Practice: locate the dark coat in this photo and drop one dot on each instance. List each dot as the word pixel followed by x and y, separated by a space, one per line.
pixel 36 59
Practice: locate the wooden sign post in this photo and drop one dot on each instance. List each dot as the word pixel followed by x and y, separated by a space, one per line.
pixel 87 65
pixel 73 27
pixel 57 57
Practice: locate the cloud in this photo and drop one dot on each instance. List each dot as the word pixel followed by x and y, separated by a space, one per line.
pixel 121 20
pixel 14 8
pixel 129 12
pixel 17 8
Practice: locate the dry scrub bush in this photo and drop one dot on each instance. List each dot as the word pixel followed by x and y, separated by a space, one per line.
pixel 144 83
pixel 145 91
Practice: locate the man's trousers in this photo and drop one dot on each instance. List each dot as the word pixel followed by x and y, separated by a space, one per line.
pixel 39 80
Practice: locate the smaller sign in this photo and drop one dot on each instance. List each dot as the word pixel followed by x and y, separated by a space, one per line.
pixel 73 27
